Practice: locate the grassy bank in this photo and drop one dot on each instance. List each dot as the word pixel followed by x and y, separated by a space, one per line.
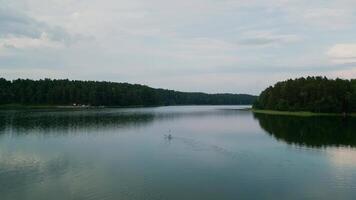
pixel 299 113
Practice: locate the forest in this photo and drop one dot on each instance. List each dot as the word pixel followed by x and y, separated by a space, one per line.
pixel 314 94
pixel 95 93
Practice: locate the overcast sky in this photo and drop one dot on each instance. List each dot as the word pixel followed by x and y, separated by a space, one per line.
pixel 238 46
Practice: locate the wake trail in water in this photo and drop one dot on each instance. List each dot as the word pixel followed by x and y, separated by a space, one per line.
pixel 201 146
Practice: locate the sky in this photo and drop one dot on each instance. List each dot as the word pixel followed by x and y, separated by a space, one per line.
pixel 214 46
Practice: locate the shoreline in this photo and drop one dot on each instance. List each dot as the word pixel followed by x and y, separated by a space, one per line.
pixel 300 113
pixel 69 107
pixel 25 107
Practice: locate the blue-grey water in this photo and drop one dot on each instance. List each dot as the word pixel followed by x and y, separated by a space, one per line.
pixel 215 152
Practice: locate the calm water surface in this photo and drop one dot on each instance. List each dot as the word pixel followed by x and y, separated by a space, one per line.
pixel 217 152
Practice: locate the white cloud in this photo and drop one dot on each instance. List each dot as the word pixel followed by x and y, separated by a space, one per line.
pixel 264 38
pixel 28 43
pixel 16 23
pixel 329 17
pixel 343 53
pixel 155 41
pixel 344 73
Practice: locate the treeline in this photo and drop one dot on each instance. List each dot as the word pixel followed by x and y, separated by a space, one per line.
pixel 315 94
pixel 94 93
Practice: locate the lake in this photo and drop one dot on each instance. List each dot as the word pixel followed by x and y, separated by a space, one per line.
pixel 215 152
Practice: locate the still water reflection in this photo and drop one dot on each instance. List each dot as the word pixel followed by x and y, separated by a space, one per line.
pixel 310 131
pixel 217 152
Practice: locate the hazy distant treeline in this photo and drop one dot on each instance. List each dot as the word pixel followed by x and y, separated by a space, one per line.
pixel 316 94
pixel 67 92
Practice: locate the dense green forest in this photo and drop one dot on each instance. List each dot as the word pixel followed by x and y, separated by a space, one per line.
pixel 94 93
pixel 315 94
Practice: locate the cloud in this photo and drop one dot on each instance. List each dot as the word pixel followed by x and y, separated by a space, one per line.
pixel 349 73
pixel 161 42
pixel 343 53
pixel 27 42
pixel 19 31
pixel 264 38
pixel 329 17
pixel 17 24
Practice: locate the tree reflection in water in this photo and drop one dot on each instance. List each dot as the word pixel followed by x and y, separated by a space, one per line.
pixel 310 131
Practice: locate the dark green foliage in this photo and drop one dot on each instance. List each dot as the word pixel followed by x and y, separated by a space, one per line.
pixel 315 94
pixel 67 92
